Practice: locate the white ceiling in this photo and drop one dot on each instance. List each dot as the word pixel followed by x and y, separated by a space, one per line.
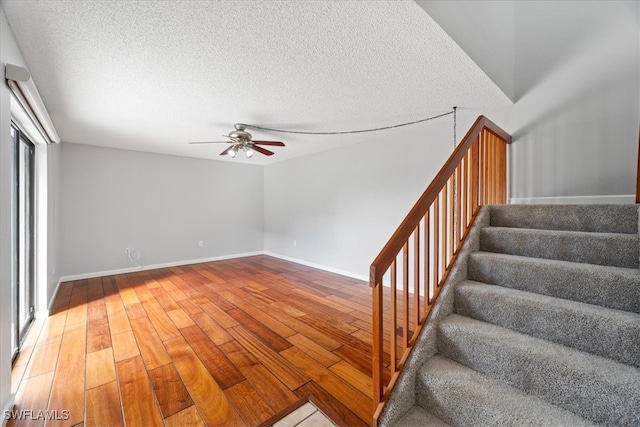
pixel 153 75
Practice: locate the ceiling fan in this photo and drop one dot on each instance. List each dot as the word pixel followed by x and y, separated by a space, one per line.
pixel 240 140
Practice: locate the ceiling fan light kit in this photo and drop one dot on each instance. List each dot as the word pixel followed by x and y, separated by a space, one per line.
pixel 241 140
pixel 235 149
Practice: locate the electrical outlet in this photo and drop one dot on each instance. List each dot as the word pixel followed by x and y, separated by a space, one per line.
pixel 200 243
pixel 127 251
pixel 295 243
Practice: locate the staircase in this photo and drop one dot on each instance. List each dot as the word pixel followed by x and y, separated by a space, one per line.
pixel 543 329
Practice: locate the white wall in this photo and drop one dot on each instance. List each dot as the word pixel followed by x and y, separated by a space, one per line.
pixel 341 206
pixel 54 169
pixel 9 53
pixel 159 205
pixel 575 122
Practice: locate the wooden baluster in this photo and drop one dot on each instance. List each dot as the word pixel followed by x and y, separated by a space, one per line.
pixel 486 198
pixel 481 182
pixel 394 319
pixel 458 215
pixel 498 184
pixel 494 173
pixel 475 178
pixel 451 220
pixel 499 169
pixel 485 168
pixel 443 232
pixel 479 174
pixel 436 238
pixel 494 169
pixel 469 185
pixel 427 253
pixel 498 173
pixel 503 165
pixel 416 278
pixel 378 318
pixel 465 195
pixel 491 168
pixel 470 181
pixel 405 295
pixel 446 232
pixel 638 173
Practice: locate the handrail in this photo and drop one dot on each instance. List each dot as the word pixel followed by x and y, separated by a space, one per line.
pixel 474 175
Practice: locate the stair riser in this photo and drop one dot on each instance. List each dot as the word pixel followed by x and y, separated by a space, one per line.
pixel 592 218
pixel 418 416
pixel 592 387
pixel 604 332
pixel 619 250
pixel 575 282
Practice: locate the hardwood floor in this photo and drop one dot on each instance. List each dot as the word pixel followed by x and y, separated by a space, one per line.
pixel 222 343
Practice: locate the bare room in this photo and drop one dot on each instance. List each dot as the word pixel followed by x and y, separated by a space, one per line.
pixel 320 213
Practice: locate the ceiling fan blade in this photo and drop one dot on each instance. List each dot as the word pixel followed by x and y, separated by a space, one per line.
pixel 209 142
pixel 262 150
pixel 274 143
pixel 225 152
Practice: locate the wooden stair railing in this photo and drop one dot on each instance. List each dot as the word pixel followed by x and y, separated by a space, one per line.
pixel 473 176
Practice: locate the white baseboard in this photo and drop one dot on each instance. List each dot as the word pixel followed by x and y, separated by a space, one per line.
pixel 144 268
pixel 155 266
pixel 45 313
pixel 319 266
pixel 622 199
pixel 7 408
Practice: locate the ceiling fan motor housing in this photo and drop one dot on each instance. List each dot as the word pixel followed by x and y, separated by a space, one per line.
pixel 241 135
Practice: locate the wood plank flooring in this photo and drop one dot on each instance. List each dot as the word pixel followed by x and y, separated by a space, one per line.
pixel 231 342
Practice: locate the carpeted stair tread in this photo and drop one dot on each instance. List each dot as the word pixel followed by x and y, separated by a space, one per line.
pixel 613 249
pixel 570 323
pixel 463 397
pixel 417 416
pixel 592 218
pixel 562 279
pixel 596 388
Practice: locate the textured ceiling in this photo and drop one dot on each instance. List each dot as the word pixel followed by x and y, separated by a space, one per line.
pixel 153 75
